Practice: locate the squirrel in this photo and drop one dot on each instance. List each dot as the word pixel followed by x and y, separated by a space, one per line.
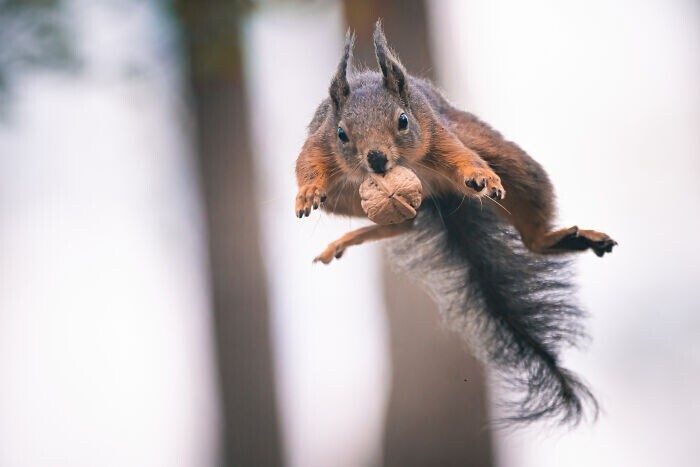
pixel 496 268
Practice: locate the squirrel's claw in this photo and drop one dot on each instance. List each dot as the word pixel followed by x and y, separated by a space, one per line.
pixel 485 182
pixel 308 198
pixel 497 193
pixel 474 184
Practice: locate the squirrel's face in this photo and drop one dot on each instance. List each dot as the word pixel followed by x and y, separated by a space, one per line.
pixel 375 130
pixel 375 124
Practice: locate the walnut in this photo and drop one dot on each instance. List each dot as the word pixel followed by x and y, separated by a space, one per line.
pixel 393 197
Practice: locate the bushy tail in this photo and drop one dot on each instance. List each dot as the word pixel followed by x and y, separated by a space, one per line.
pixel 513 306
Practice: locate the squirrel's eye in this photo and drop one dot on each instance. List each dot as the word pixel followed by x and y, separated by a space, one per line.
pixel 403 122
pixel 342 136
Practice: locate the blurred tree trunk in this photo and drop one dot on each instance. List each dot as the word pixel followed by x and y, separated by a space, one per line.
pixel 212 40
pixel 437 407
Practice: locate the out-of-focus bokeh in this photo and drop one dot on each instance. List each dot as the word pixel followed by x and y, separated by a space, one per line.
pixel 158 305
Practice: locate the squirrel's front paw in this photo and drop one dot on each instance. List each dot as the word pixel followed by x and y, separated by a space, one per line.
pixel 309 197
pixel 485 182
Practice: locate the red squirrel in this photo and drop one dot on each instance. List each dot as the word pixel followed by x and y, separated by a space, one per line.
pixel 483 239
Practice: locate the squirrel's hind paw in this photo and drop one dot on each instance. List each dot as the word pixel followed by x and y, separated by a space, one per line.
pixel 333 250
pixel 580 239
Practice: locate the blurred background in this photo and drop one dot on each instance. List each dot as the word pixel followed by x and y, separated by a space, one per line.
pixel 158 305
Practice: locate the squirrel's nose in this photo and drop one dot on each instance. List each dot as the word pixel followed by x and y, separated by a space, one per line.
pixel 377 161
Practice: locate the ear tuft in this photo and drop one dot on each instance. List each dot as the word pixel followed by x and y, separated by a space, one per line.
pixel 395 76
pixel 340 89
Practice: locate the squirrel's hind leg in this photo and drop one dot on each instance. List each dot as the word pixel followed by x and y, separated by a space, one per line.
pixel 574 239
pixel 567 240
pixel 357 237
pixel 531 213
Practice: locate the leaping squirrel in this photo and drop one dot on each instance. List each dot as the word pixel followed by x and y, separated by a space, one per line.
pixel 495 267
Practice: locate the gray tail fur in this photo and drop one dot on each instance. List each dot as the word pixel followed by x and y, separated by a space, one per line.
pixel 513 306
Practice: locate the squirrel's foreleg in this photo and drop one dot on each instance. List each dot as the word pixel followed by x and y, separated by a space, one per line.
pixel 313 169
pixel 456 162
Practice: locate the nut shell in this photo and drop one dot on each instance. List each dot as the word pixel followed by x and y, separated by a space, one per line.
pixel 393 197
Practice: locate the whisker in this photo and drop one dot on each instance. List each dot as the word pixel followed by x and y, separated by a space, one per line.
pixel 318 221
pixel 274 199
pixel 347 179
pixel 437 172
pixel 464 196
pixel 499 204
pixel 400 161
pixel 450 180
pixel 432 199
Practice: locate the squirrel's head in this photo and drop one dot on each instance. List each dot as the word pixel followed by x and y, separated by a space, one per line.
pixel 375 118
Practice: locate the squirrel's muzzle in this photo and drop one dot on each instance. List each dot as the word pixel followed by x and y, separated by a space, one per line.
pixel 377 161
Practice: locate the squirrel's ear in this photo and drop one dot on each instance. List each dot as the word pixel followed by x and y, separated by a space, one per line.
pixel 340 89
pixel 394 73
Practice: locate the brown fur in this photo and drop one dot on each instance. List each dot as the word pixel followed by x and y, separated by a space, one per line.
pixel 451 151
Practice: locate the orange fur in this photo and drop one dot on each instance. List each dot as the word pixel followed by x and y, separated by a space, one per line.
pixel 451 151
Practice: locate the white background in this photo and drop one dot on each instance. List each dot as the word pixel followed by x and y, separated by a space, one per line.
pixel 605 95
pixel 105 340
